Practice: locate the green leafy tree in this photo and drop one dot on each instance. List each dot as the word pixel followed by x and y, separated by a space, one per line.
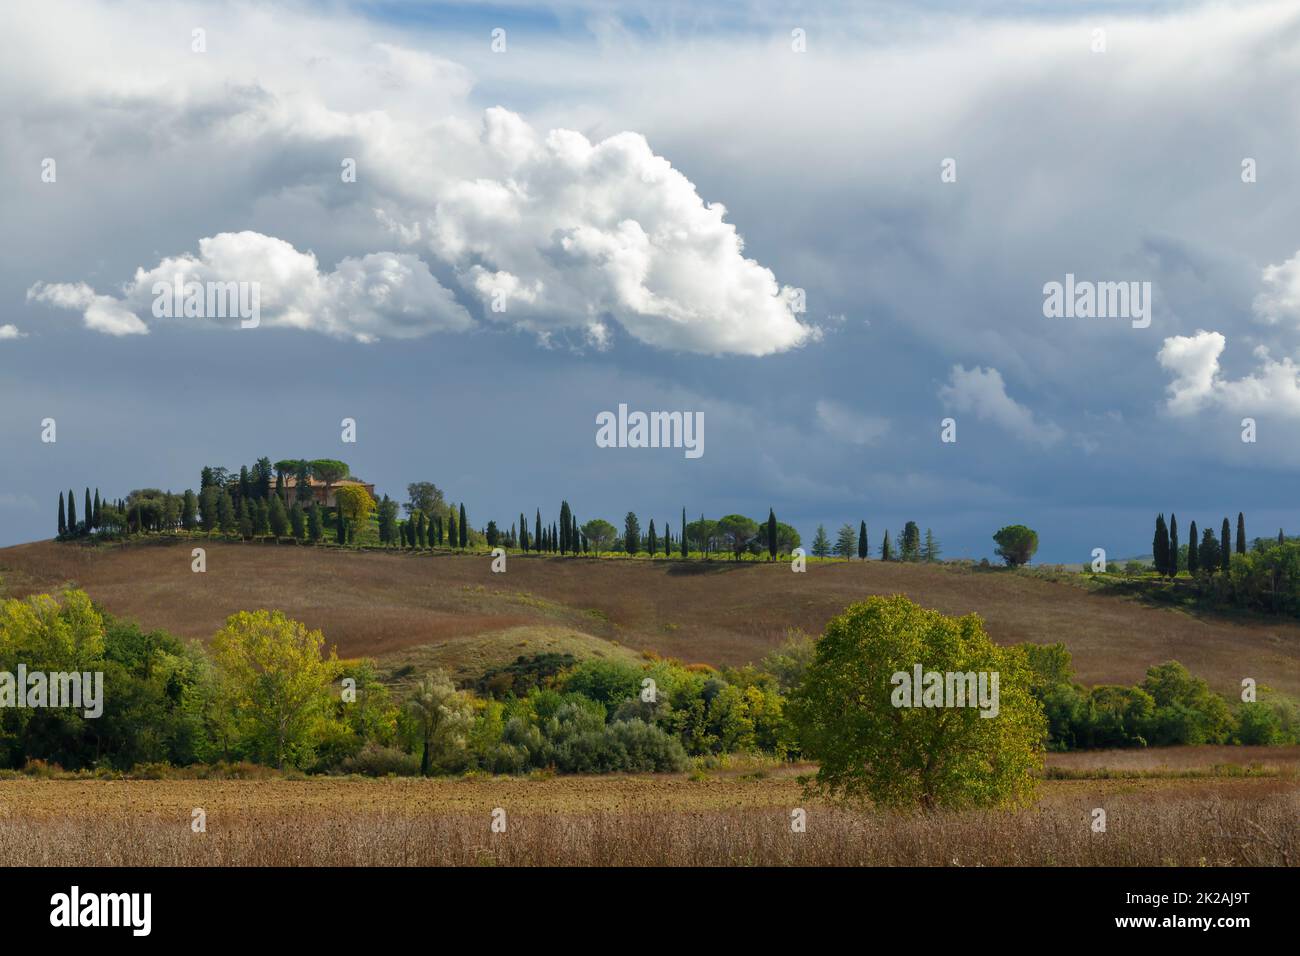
pixel 702 532
pixel 444 717
pixel 844 714
pixel 1016 544
pixel 737 531
pixel 297 521
pixel 330 471
pixel 315 526
pixel 600 533
pixel 189 509
pixel 424 496
pixel 821 546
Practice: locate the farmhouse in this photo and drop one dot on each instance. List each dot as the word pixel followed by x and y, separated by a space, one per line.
pixel 323 495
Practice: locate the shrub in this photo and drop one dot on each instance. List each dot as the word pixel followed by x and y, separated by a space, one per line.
pixel 376 760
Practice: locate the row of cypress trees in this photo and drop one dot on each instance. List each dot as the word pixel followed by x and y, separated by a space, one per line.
pixel 92 514
pixel 1208 554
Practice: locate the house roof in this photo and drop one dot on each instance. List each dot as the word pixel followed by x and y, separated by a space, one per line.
pixel 291 481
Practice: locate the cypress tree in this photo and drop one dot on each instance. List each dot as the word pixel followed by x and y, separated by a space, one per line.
pixel 523 532
pixel 297 521
pixel 1160 546
pixel 654 539
pixel 862 541
pixel 63 521
pixel 1225 547
pixel 1280 539
pixel 340 528
pixel 72 513
pixel 1193 559
pixel 451 529
pixel 555 544
pixel 277 517
pixel 1241 533
pixel 97 504
pixel 684 545
pixel 537 537
pixel 1173 545
pixel 314 529
pixel 771 534
pixel 886 550
pixel 564 527
pixel 88 511
pixel 464 527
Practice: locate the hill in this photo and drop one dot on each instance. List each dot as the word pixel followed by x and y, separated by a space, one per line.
pixel 413 608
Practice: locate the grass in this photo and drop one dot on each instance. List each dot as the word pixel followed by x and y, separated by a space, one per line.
pixel 726 818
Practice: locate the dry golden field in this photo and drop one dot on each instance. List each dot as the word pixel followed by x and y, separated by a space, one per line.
pixel 451 610
pixel 721 818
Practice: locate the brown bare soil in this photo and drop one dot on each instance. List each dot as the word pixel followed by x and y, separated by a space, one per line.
pixel 377 604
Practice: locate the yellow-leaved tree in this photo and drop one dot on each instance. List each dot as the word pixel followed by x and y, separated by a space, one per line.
pixel 273 685
pixel 355 503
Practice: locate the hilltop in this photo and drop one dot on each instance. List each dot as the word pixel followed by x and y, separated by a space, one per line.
pixel 445 608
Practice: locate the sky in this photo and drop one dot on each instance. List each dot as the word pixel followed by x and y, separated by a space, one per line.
pixel 826 228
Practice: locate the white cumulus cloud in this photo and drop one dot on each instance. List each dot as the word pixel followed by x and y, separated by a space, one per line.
pixel 982 392
pixel 1198 381
pixel 382 295
pixel 1279 301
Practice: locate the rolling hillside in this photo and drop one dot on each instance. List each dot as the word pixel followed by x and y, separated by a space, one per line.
pixel 451 610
